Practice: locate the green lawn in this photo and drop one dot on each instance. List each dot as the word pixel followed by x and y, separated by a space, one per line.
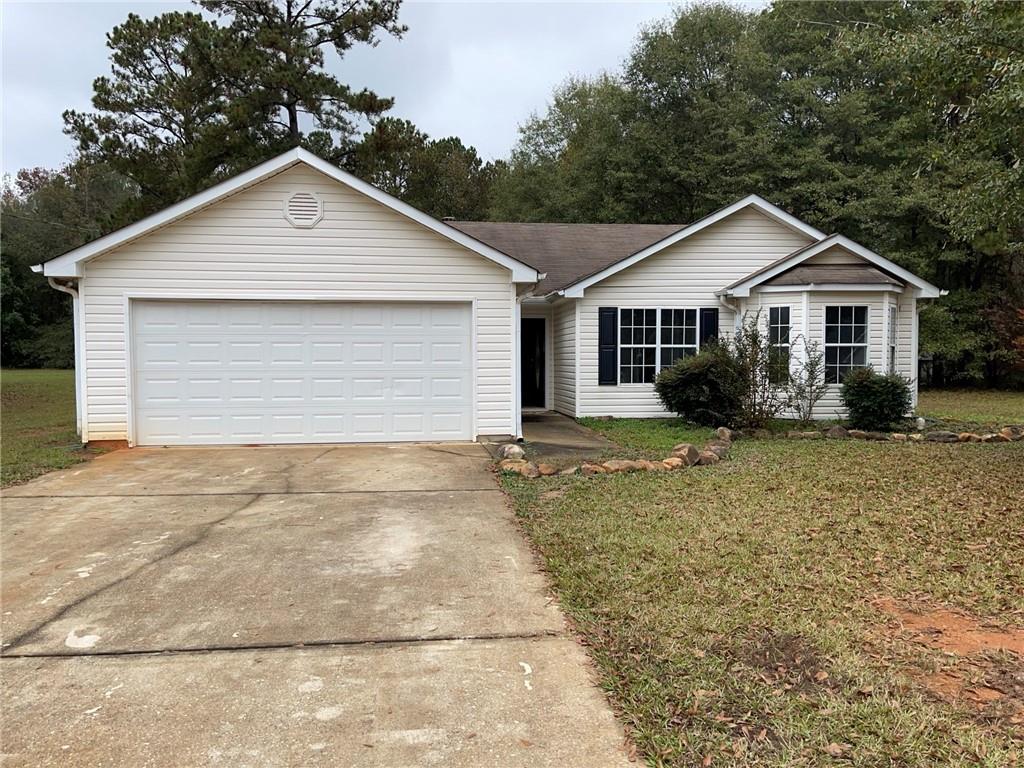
pixel 730 612
pixel 970 406
pixel 37 424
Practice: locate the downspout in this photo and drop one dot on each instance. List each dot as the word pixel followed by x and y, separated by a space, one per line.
pixel 736 319
pixel 75 322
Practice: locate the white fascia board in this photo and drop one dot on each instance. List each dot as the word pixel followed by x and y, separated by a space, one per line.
pixel 833 287
pixel 753 201
pixel 69 264
pixel 924 288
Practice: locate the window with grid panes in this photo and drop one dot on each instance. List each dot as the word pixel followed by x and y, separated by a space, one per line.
pixel 846 341
pixel 778 345
pixel 638 345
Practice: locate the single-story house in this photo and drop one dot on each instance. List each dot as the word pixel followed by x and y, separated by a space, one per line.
pixel 295 303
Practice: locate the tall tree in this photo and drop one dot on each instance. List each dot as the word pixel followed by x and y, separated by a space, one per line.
pixel 282 44
pixel 167 116
pixel 442 177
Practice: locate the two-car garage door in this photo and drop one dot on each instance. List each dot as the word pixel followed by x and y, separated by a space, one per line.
pixel 223 372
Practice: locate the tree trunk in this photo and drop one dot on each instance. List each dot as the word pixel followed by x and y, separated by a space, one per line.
pixel 294 136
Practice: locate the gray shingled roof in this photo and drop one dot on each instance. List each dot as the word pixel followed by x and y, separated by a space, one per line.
pixel 566 252
pixel 841 274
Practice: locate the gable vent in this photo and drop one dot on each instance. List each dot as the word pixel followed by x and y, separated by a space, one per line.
pixel 303 209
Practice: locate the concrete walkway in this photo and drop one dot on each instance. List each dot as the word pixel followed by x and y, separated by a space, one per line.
pixel 551 435
pixel 284 606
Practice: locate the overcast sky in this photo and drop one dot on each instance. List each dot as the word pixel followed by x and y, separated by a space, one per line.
pixel 474 70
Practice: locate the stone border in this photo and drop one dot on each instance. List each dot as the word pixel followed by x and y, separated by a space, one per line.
pixel 514 461
pixel 512 457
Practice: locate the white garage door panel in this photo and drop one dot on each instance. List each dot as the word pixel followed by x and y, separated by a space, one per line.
pixel 252 372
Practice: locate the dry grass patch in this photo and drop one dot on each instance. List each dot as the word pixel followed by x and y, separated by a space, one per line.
pixel 731 611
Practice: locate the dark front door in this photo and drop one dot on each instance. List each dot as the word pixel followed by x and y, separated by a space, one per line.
pixel 532 348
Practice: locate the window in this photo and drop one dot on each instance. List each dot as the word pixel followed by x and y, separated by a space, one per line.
pixel 778 345
pixel 638 345
pixel 678 335
pixel 846 341
pixel 652 339
pixel 892 338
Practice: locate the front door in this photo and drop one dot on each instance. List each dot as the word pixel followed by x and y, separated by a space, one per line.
pixel 533 358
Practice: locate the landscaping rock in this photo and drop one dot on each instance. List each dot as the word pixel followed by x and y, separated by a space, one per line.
pixel 1012 433
pixel 547 470
pixel 568 471
pixel 511 465
pixel 719 448
pixel 876 436
pixel 761 434
pixel 968 437
pixel 915 437
pixel 687 452
pixel 511 451
pixel 724 433
pixel 707 457
pixel 920 424
pixel 858 434
pixel 651 466
pixel 795 434
pixel 837 432
pixel 898 437
pixel 620 465
pixel 674 462
pixel 810 435
pixel 940 436
pixel 592 469
pixel 994 437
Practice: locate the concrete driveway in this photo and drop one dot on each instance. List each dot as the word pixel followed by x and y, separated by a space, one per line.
pixel 283 606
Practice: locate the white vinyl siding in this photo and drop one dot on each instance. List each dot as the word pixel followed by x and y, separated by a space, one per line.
pixel 243 247
pixel 564 333
pixel 683 276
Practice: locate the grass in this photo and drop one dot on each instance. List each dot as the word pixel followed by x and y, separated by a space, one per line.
pixel 729 609
pixel 37 424
pixel 968 406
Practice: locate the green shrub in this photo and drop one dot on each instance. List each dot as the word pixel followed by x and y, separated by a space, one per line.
pixel 706 388
pixel 875 401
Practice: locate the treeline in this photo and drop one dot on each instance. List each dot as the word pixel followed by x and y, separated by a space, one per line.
pixel 193 99
pixel 900 125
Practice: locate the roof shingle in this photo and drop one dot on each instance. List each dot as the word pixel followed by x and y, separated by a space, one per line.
pixel 566 253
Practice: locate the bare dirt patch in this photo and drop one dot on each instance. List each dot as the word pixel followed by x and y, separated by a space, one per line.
pixel 986 661
pixel 953 632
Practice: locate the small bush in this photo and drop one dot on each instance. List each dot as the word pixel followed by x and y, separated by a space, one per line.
pixel 875 401
pixel 706 388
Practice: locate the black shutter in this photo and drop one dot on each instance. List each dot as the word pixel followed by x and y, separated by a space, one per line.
pixel 607 345
pixel 708 325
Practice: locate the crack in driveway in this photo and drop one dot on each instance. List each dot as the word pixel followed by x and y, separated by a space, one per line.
pixel 32 633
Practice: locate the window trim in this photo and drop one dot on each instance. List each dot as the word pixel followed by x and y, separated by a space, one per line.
pixel 657 342
pixel 788 345
pixel 893 342
pixel 867 335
